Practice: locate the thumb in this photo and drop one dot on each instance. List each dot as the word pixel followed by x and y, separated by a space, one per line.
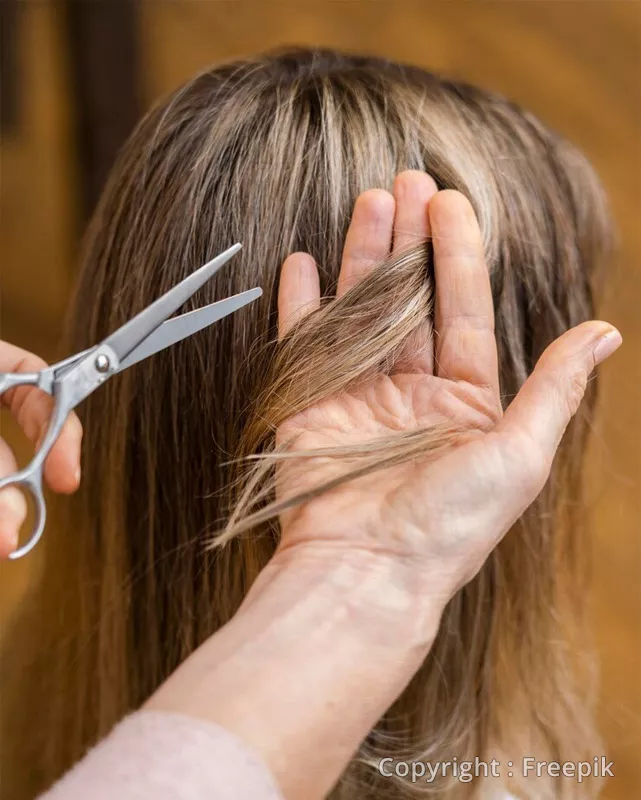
pixel 550 397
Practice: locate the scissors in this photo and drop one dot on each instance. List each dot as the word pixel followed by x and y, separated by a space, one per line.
pixel 70 381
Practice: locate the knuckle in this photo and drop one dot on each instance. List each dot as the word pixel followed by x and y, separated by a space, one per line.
pixel 31 409
pixel 30 363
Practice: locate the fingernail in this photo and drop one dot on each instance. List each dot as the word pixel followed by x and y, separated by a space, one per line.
pixel 607 345
pixel 76 475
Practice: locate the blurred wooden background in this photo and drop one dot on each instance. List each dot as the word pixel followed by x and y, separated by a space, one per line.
pixel 576 63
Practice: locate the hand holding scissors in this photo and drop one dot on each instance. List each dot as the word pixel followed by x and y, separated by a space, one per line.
pixel 70 381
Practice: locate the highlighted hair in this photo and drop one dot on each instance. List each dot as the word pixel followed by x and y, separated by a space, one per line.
pixel 273 152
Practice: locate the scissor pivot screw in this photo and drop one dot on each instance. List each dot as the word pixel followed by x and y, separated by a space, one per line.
pixel 102 363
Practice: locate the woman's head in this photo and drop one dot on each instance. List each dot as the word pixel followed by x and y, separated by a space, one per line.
pixel 273 152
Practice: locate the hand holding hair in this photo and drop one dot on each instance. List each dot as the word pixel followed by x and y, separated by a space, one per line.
pixel 346 611
pixel 433 515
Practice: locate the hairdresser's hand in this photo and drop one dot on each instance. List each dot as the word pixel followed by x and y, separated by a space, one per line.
pixel 438 517
pixel 32 408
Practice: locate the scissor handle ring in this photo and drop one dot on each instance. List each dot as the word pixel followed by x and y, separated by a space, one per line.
pixel 66 393
pixel 30 480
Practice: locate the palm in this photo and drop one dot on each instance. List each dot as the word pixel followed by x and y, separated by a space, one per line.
pixel 387 406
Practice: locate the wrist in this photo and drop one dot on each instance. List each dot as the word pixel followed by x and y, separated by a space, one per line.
pixel 381 595
pixel 324 643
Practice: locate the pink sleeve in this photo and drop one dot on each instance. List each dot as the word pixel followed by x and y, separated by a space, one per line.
pixel 167 757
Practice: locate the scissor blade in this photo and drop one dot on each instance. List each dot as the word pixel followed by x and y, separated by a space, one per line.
pixel 131 334
pixel 178 328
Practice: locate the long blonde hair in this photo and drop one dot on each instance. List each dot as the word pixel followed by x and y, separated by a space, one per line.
pixel 273 152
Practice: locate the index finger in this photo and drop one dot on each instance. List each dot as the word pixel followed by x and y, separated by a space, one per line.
pixel 464 311
pixel 31 408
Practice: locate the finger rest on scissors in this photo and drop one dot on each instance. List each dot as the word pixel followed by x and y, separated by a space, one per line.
pixel 11 380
